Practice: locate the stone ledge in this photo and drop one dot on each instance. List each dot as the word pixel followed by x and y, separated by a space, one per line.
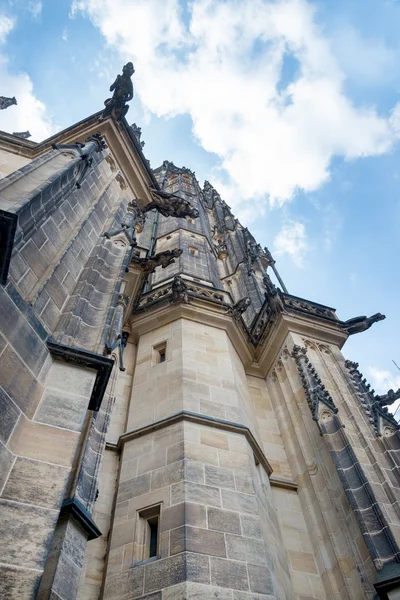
pixel 72 507
pixel 91 360
pixel 199 420
pixel 285 484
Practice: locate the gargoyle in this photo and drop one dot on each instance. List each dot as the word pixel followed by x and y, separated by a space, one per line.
pixel 170 205
pixel 239 308
pixel 272 294
pixel 123 92
pixel 162 259
pixel 359 324
pixel 179 290
pixel 6 102
pixel 387 399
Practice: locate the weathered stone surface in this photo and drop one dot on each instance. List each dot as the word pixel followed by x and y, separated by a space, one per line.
pixel 251 526
pixel 125 586
pixel 63 409
pixel 18 584
pixel 165 572
pixel 173 517
pixel 24 389
pixel 6 461
pixel 194 539
pixel 220 477
pixel 9 416
pixel 260 579
pixel 223 520
pixel 134 487
pixel 167 475
pixel 246 549
pixel 229 574
pixel 25 534
pixel 35 482
pixel 239 502
pixel 194 492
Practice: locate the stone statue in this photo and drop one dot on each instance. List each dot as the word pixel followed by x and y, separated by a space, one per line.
pixel 273 296
pixel 170 205
pixel 137 132
pixel 162 259
pixel 123 93
pixel 239 307
pixel 116 337
pixel 359 324
pixel 179 290
pixel 268 256
pixel 6 102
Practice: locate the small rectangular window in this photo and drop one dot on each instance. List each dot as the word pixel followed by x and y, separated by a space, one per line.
pixel 193 251
pixel 159 353
pixel 147 533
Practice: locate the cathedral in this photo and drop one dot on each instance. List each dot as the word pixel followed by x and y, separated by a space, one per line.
pixel 174 425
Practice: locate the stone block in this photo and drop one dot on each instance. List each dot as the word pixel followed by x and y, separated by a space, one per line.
pixel 123 533
pixel 246 549
pixel 167 475
pixel 195 492
pixel 244 482
pixel 43 442
pixel 202 453
pixel 126 585
pixel 302 561
pixel 194 539
pixel 223 520
pixel 229 574
pixel 62 409
pixel 136 486
pixel 151 461
pixel 25 534
pixel 212 437
pixel 220 477
pixel 251 526
pixel 165 572
pixel 193 471
pixel 18 584
pixel 233 460
pixel 260 579
pixel 236 501
pixel 173 517
pixel 24 390
pixel 35 482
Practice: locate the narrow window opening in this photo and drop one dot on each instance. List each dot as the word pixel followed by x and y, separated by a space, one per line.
pixel 169 237
pixel 193 251
pixel 153 541
pixel 160 353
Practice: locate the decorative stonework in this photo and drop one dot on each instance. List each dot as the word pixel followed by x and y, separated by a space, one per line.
pixel 375 407
pixel 316 393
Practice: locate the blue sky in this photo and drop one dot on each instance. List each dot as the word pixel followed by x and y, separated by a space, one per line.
pixel 291 108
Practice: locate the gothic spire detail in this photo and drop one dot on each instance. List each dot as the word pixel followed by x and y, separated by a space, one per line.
pixel 122 87
pixel 314 389
pixel 375 407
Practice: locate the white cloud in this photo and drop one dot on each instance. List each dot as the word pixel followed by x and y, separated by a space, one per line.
pixel 6 25
pixel 30 113
pixel 35 8
pixel 291 240
pixel 383 380
pixel 221 63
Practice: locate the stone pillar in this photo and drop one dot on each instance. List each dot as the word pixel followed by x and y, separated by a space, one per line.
pixel 191 455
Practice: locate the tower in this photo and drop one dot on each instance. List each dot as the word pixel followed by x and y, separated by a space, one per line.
pixel 175 424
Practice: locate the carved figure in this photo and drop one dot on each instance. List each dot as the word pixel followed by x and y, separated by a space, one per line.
pixel 239 307
pixel 133 220
pixel 273 296
pixel 162 259
pixel 6 102
pixel 388 398
pixel 116 337
pixel 137 132
pixel 359 324
pixel 179 290
pixel 268 256
pixel 123 92
pixel 170 205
